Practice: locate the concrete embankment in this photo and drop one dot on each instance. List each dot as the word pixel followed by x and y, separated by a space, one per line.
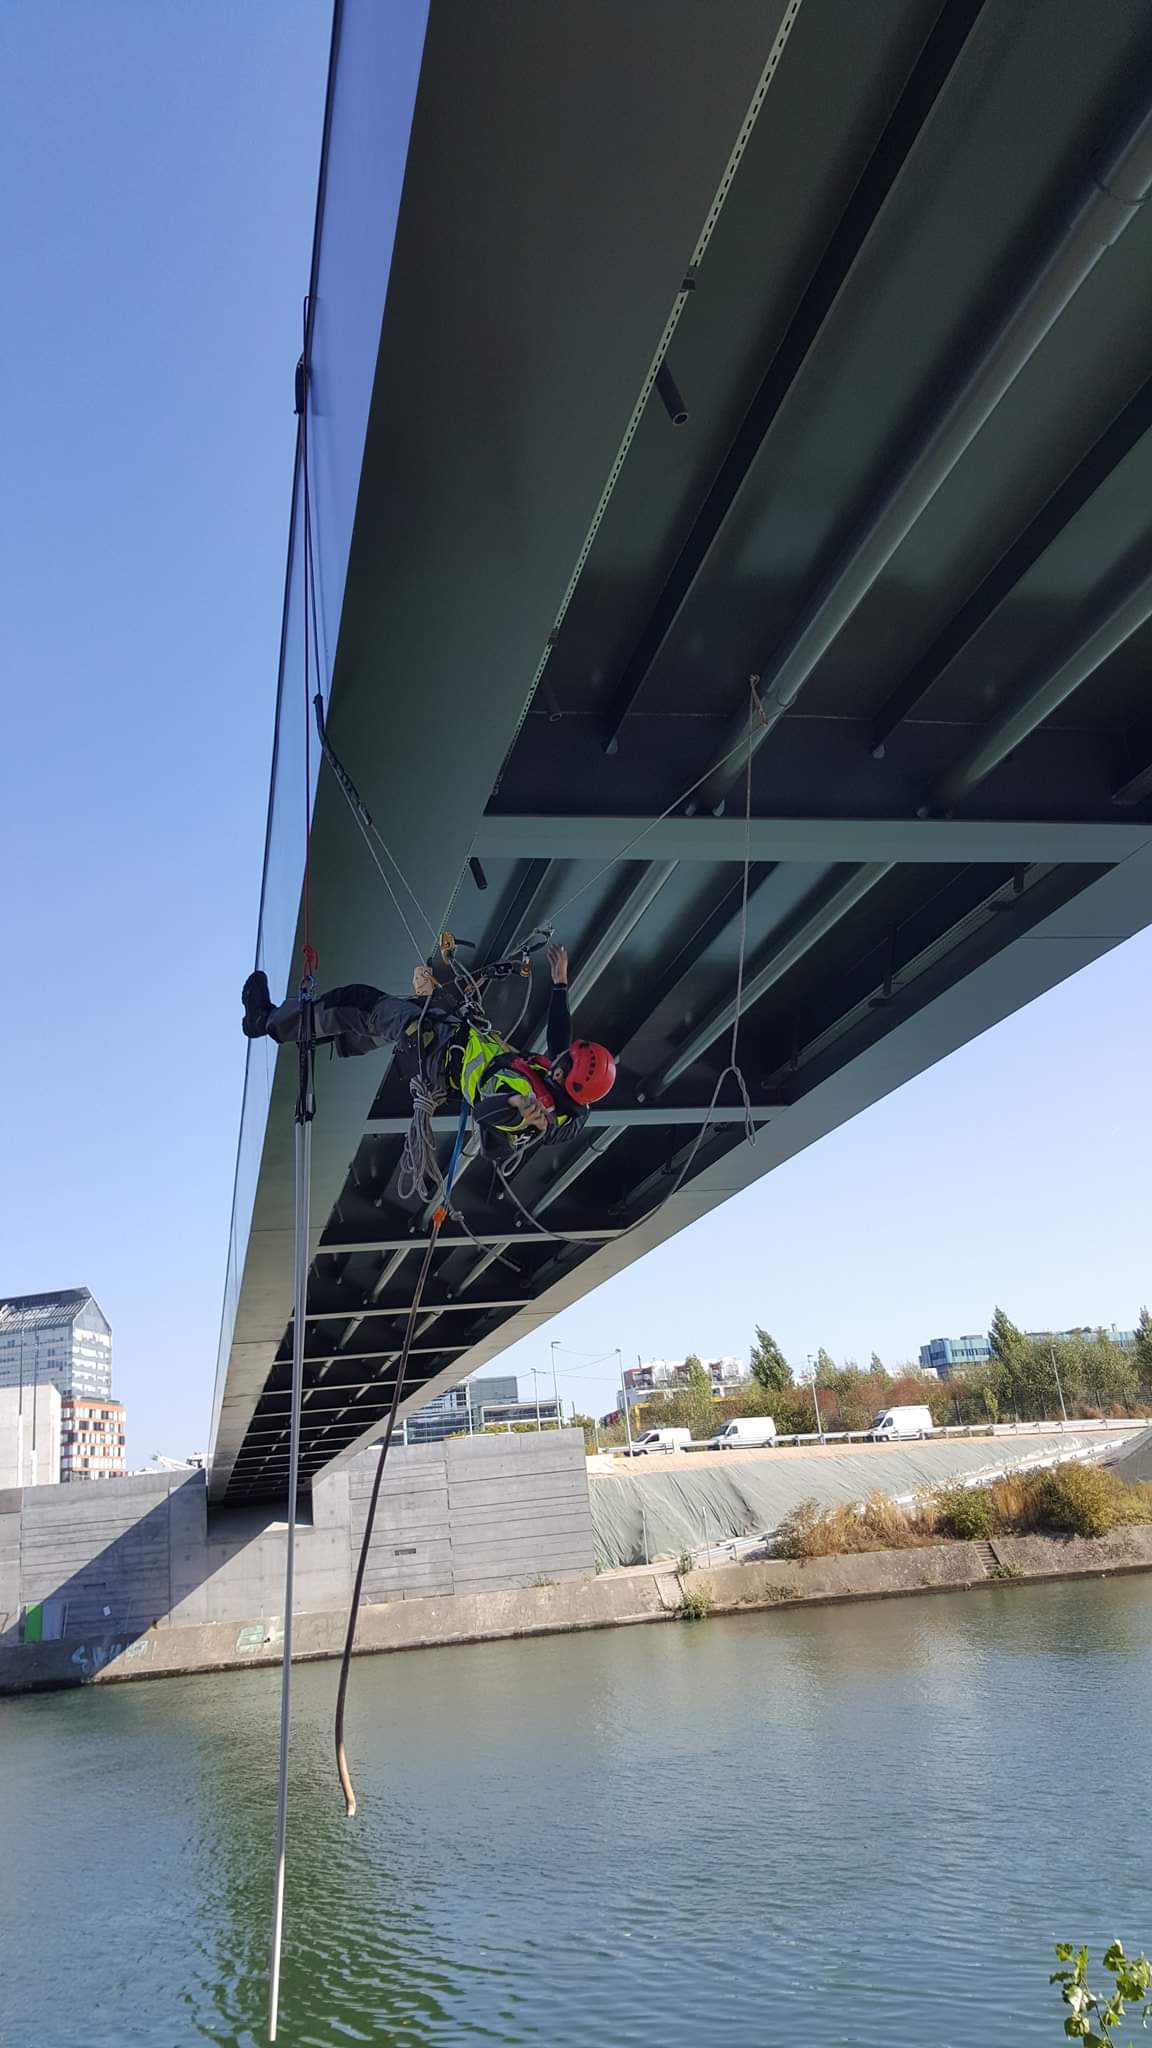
pixel 612 1600
pixel 661 1506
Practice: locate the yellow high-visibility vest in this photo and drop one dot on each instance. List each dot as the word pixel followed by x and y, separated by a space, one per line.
pixel 480 1049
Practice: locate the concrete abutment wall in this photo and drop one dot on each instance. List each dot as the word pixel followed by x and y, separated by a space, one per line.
pixel 94 1573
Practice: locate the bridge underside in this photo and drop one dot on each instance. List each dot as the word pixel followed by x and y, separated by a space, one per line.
pixel 911 497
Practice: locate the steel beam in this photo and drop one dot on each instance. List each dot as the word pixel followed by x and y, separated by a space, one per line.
pixel 357 1357
pixel 450 1242
pixel 925 841
pixel 1115 622
pixel 782 957
pixel 1137 789
pixel 1105 455
pixel 632 1117
pixel 921 91
pixel 1105 202
pixel 440 1308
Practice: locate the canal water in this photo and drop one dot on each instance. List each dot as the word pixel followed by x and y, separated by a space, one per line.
pixel 860 1825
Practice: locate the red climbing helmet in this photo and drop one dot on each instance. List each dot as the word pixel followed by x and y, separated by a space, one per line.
pixel 591 1071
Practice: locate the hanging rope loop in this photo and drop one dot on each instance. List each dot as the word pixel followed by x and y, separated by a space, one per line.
pixel 439 1217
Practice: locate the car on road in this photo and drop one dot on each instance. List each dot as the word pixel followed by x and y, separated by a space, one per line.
pixel 894 1425
pixel 744 1433
pixel 658 1440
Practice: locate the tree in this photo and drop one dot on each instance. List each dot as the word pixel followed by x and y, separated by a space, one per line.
pixel 770 1368
pixel 699 1399
pixel 825 1368
pixel 1110 1374
pixel 1143 1349
pixel 1008 1343
pixel 877 1368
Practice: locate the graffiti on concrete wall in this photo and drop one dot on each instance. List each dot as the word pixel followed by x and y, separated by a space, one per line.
pixel 258 1635
pixel 90 1658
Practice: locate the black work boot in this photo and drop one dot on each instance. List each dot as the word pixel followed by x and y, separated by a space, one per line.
pixel 257 1003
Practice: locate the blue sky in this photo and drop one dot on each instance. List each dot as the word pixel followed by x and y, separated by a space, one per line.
pixel 158 167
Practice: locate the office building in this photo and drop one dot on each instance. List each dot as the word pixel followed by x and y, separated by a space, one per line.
pixel 507 1414
pixel 947 1355
pixel 447 1414
pixel 29 1436
pixel 659 1377
pixel 92 1438
pixel 60 1340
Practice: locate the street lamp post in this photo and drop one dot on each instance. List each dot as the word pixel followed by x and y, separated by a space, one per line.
pixel 536 1391
pixel 815 1402
pixel 624 1397
pixel 555 1384
pixel 1056 1376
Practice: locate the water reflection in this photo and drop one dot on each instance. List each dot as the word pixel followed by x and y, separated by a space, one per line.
pixel 822 1825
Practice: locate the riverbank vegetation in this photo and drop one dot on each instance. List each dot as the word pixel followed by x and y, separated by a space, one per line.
pixel 1095 2016
pixel 1069 1500
pixel 1085 1375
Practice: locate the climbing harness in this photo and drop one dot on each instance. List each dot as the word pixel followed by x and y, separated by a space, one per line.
pixel 438 1219
pixel 732 1067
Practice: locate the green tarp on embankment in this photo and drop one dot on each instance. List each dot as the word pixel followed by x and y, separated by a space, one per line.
pixel 682 1508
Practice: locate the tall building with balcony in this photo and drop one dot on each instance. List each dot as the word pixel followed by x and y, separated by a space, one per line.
pixel 63 1341
pixel 92 1438
pixel 60 1340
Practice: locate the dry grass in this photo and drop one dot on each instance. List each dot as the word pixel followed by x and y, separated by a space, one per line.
pixel 879 1524
pixel 1076 1500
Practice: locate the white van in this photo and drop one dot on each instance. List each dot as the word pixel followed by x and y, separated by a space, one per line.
pixel 744 1432
pixel 658 1440
pixel 894 1423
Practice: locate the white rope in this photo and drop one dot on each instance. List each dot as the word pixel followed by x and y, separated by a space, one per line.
pixel 419 1177
pixel 417 948
pixel 303 1175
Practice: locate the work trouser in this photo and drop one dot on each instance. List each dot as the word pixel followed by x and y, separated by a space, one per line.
pixel 360 1019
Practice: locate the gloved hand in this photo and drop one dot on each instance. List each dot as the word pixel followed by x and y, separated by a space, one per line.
pixel 423 983
pixel 558 962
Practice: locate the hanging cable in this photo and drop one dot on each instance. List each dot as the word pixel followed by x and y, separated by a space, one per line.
pixel 385 1443
pixel 305 1111
pixel 638 838
pixel 371 831
pixel 304 1114
pixel 311 959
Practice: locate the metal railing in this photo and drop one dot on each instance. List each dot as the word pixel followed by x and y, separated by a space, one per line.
pixel 1056 1427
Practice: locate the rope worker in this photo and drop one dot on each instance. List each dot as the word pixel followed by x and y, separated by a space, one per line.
pixel 517 1100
